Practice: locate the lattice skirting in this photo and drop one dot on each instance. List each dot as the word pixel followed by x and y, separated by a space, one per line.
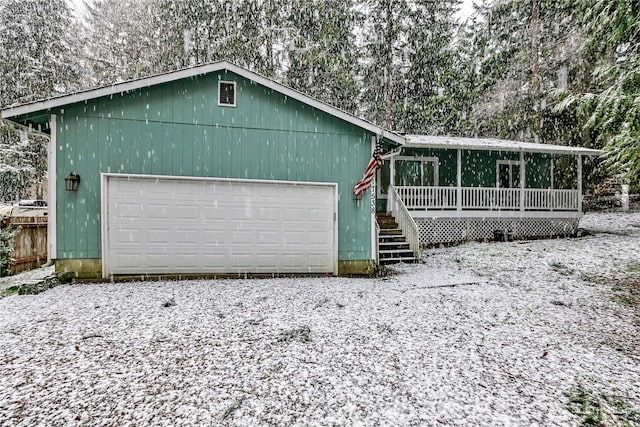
pixel 449 230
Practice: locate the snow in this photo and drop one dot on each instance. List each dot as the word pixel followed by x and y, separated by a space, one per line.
pixel 38 273
pixel 493 144
pixel 478 334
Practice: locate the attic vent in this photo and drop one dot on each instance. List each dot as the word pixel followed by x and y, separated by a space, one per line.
pixel 227 93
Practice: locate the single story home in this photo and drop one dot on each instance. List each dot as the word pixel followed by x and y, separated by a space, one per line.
pixel 218 170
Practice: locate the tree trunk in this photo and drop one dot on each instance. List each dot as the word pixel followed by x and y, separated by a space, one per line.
pixel 388 123
pixel 535 70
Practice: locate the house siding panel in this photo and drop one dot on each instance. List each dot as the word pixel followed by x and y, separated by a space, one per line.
pixel 178 129
pixel 538 171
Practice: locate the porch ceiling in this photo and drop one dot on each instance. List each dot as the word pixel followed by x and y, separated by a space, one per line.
pixel 452 142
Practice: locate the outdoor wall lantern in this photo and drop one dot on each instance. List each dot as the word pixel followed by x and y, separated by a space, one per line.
pixel 71 182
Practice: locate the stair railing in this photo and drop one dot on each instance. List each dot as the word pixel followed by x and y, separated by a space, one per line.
pixel 377 243
pixel 396 206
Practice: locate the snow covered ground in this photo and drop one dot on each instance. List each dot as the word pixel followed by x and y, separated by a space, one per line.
pixel 479 334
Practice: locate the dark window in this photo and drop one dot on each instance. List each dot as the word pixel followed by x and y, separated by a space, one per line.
pixel 227 93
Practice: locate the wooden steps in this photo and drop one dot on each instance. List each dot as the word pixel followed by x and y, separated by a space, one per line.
pixel 392 243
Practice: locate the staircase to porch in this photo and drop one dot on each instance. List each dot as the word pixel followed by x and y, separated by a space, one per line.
pixel 392 243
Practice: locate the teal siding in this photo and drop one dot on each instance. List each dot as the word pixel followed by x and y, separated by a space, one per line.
pixel 178 129
pixel 479 167
pixel 538 170
pixel 447 163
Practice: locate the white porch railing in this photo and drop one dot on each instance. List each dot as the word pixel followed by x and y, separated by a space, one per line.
pixel 487 198
pixel 407 224
pixel 490 198
pixel 428 197
pixel 559 200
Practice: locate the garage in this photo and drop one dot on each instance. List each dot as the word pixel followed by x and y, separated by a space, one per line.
pixel 189 225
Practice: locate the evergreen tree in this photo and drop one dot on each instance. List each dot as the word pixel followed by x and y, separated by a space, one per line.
pixel 528 51
pixel 415 77
pixel 430 94
pixel 384 47
pixel 123 41
pixel 39 58
pixel 249 33
pixel 23 161
pixel 323 56
pixel 38 50
pixel 613 30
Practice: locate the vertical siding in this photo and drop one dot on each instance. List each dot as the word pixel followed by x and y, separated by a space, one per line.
pixel 479 167
pixel 538 171
pixel 447 163
pixel 178 129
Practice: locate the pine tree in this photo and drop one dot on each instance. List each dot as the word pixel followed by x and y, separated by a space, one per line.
pixel 39 58
pixel 249 33
pixel 123 41
pixel 39 53
pixel 430 94
pixel 613 30
pixel 384 47
pixel 528 52
pixel 323 56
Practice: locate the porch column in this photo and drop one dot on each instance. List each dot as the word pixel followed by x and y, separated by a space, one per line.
pixel 579 182
pixel 552 196
pixel 522 178
pixel 392 183
pixel 459 181
pixel 551 179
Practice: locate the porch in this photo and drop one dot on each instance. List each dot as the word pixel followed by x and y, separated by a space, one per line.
pixel 445 189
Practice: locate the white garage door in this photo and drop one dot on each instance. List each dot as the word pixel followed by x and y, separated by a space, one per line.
pixel 165 225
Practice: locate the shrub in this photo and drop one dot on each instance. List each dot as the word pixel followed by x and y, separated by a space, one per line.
pixel 7 236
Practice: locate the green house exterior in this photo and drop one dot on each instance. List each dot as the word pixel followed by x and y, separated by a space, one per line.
pixel 271 165
pixel 173 125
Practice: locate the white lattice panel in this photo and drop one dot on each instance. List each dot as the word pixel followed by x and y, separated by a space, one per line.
pixel 449 230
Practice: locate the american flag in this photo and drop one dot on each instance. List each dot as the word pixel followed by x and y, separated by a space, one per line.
pixel 370 172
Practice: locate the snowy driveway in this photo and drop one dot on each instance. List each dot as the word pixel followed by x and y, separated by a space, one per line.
pixel 527 323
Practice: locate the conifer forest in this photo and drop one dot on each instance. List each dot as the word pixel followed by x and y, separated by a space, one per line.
pixel 548 71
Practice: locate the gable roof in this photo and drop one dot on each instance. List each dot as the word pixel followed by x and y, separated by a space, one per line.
pixel 48 104
pixel 453 142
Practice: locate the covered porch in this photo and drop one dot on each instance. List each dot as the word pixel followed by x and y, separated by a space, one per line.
pixel 475 187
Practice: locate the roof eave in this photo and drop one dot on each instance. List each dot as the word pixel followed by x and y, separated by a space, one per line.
pixel 551 149
pixel 49 104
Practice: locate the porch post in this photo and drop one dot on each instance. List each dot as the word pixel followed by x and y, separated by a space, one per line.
pixel 459 181
pixel 552 196
pixel 579 182
pixel 392 181
pixel 522 178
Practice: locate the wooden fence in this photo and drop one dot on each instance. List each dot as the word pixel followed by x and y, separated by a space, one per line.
pixel 30 244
